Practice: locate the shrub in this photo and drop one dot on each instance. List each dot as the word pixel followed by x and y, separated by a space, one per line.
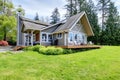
pixel 29 48
pixel 33 48
pixel 53 51
pixel 3 43
pixel 36 48
pixel 48 50
pixel 67 51
pixel 42 49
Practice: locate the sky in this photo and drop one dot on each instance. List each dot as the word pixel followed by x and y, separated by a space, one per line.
pixel 44 8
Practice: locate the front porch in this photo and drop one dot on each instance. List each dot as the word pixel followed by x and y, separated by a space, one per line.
pixel 31 38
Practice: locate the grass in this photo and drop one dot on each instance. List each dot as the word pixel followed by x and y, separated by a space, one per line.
pixel 98 64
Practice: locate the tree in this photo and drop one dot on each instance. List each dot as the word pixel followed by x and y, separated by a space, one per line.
pixel 7 23
pixel 55 17
pixel 37 17
pixel 20 10
pixel 7 19
pixel 93 19
pixel 82 5
pixel 112 26
pixel 71 7
pixel 103 6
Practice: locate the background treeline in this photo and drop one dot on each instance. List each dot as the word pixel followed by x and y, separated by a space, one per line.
pixel 106 27
pixel 8 22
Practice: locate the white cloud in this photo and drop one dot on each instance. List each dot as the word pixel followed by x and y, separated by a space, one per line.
pixel 42 7
pixel 45 7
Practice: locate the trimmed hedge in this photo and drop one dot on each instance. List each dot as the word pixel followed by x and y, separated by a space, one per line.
pixel 51 50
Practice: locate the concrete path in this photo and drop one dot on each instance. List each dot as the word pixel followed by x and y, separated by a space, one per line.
pixel 6 48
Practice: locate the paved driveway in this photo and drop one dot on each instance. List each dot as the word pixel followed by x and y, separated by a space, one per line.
pixel 6 48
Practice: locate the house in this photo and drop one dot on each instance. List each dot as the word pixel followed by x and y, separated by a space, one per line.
pixel 73 31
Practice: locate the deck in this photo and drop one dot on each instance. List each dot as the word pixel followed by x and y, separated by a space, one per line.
pixel 81 46
pixel 67 47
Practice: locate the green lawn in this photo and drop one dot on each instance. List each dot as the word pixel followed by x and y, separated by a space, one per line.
pixel 98 64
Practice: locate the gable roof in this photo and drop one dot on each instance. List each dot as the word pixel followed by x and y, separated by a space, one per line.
pixel 62 25
pixel 56 24
pixel 33 21
pixel 31 26
pixel 72 21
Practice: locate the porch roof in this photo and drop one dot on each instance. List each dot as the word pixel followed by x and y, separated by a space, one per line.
pixel 31 26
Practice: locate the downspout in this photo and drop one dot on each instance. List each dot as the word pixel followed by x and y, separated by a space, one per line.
pixel 18 29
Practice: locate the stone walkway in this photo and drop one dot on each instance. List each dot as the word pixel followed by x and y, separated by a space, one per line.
pixel 6 48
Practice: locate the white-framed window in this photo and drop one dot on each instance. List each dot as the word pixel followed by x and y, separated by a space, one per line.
pixel 49 38
pixel 59 35
pixel 76 36
pixel 71 36
pixel 46 37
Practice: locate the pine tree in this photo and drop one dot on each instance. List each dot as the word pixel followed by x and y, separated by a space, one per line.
pixel 103 6
pixel 93 19
pixel 82 5
pixel 71 7
pixel 112 25
pixel 55 17
pixel 37 17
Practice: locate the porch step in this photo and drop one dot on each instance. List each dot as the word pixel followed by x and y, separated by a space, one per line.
pixel 18 48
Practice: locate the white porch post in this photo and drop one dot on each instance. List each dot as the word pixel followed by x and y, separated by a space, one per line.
pixel 18 27
pixel 65 39
pixel 40 34
pixel 24 39
pixel 27 38
pixel 32 38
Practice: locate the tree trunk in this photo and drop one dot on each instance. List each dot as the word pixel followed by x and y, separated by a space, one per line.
pixel 5 34
pixel 71 10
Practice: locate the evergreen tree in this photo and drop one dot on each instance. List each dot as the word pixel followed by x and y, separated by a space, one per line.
pixel 55 17
pixel 71 7
pixel 37 17
pixel 93 19
pixel 103 6
pixel 82 5
pixel 112 26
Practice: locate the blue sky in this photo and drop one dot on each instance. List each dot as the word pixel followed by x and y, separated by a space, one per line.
pixel 45 7
pixel 42 7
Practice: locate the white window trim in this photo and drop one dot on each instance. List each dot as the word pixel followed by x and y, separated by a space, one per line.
pixel 76 32
pixel 47 41
pixel 59 37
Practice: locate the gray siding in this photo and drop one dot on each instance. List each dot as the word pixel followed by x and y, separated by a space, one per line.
pixel 45 43
pixel 61 41
pixel 20 34
pixel 79 28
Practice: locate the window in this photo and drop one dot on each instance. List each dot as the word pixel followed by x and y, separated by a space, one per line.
pixel 76 36
pixel 59 35
pixel 50 38
pixel 44 37
pixel 71 36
